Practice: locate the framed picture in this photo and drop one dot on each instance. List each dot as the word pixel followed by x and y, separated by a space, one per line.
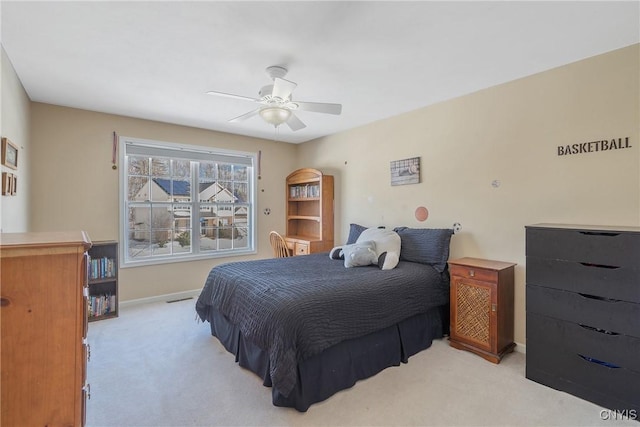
pixel 406 171
pixel 7 183
pixel 14 184
pixel 9 154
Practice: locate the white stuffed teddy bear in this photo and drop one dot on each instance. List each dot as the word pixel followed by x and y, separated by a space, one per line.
pixel 373 246
pixel 387 246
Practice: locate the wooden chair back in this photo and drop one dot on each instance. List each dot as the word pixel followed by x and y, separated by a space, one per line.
pixel 279 245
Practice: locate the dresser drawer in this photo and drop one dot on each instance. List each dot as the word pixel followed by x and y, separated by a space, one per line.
pixel 471 272
pixel 583 376
pixel 611 315
pixel 301 249
pixel 621 283
pixel 609 248
pixel 551 334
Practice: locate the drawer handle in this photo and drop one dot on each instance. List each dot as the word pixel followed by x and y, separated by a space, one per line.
pixel 599 362
pixel 611 267
pixel 4 302
pixel 472 273
pixel 601 331
pixel 598 298
pixel 599 233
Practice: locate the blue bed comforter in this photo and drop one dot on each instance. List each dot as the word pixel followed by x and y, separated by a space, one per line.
pixel 296 307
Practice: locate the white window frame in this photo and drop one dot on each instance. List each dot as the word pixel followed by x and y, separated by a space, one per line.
pixel 195 152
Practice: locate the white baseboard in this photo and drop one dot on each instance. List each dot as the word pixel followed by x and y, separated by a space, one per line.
pixel 521 348
pixel 160 298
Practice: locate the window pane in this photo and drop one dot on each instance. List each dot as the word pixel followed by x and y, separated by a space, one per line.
pixel 161 239
pixel 161 220
pixel 139 244
pixel 241 215
pixel 138 188
pixel 208 171
pixel 160 167
pixel 241 192
pixel 240 173
pixel 182 216
pixel 240 239
pixel 182 169
pixel 225 192
pixel 182 239
pixel 181 191
pixel 208 239
pixel 225 238
pixel 139 218
pixel 225 172
pixel 138 165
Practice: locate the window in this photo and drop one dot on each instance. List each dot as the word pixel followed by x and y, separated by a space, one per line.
pixel 182 202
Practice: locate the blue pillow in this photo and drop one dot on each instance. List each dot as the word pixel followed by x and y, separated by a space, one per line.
pixel 354 232
pixel 425 245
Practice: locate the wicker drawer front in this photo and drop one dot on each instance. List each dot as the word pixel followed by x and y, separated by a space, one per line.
pixel 621 283
pixel 619 350
pixel 611 315
pixel 610 248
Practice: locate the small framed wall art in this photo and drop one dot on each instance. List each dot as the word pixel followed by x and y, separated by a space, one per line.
pixel 9 154
pixel 7 184
pixel 406 171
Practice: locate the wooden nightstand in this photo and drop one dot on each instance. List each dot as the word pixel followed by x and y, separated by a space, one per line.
pixel 482 307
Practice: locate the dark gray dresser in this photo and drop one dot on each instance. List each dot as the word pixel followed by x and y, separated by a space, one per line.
pixel 583 312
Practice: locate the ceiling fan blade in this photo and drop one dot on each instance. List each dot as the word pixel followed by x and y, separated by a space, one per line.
pixel 282 88
pixel 245 116
pixel 320 107
pixel 295 123
pixel 230 95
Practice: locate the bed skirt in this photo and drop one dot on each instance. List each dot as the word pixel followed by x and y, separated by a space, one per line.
pixel 340 366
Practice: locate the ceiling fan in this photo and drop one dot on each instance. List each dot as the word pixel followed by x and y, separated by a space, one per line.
pixel 276 106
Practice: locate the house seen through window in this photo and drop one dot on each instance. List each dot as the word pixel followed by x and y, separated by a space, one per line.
pixel 183 202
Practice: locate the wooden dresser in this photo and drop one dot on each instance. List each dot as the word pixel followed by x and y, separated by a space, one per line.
pixel 583 312
pixel 44 326
pixel 482 307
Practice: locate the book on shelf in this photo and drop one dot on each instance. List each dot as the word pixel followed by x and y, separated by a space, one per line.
pixel 102 268
pixel 304 191
pixel 100 305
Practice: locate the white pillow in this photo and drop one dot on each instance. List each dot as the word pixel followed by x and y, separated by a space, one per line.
pixel 385 241
pixel 359 254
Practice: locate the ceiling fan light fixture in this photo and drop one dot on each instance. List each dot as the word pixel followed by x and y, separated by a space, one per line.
pixel 275 115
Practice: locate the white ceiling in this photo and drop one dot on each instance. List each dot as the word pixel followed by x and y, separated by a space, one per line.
pixel 156 60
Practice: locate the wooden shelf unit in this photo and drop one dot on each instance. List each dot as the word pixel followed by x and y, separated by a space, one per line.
pixel 103 280
pixel 309 210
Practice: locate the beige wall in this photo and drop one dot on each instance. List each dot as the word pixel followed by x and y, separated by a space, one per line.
pixel 14 124
pixel 76 188
pixel 508 133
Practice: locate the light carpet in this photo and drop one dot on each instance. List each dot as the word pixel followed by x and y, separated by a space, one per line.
pixel 156 365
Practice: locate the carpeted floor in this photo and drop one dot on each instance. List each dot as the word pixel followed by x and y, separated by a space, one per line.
pixel 155 365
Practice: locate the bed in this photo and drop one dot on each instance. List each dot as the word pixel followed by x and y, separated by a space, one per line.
pixel 309 327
